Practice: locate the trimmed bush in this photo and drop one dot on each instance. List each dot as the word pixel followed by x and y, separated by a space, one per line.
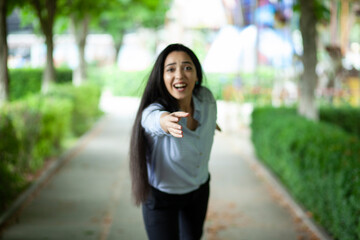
pixel 347 118
pixel 9 149
pixel 63 75
pixel 41 124
pixel 25 81
pixel 33 128
pixel 10 181
pixel 86 100
pixel 319 164
pixel 120 83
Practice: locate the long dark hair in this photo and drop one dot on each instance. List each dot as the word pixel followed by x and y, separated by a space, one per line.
pixel 155 91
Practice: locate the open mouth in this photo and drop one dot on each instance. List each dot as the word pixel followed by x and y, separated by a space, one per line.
pixel 180 86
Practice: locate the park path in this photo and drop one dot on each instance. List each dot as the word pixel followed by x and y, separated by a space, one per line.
pixel 89 196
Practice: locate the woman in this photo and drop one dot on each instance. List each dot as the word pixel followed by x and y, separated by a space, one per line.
pixel 170 147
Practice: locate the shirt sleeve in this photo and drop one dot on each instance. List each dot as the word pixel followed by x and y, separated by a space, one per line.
pixel 150 119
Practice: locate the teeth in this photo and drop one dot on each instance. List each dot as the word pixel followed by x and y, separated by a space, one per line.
pixel 180 85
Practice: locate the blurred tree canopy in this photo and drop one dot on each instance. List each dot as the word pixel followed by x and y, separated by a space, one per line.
pixel 138 13
pixel 82 16
pixel 116 17
pixel 43 14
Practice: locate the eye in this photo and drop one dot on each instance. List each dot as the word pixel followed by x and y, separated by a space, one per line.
pixel 188 68
pixel 170 69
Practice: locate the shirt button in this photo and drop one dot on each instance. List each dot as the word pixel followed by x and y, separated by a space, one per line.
pixel 200 154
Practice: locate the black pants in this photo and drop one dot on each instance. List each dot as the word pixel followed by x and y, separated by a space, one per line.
pixel 176 216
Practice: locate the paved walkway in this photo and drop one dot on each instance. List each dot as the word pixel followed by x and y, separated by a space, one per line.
pixel 89 197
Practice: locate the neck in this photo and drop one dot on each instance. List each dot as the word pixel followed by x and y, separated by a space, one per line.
pixel 186 105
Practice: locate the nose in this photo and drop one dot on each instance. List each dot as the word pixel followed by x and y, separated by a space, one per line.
pixel 179 73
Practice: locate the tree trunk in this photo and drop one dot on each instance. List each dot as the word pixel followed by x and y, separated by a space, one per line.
pixel 118 42
pixel 80 32
pixel 333 23
pixel 46 15
pixel 307 106
pixel 4 76
pixel 344 26
pixel 49 72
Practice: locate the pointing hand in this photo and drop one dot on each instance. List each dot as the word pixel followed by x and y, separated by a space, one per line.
pixel 169 123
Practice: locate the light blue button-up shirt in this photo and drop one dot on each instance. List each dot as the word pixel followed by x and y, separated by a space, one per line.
pixel 180 165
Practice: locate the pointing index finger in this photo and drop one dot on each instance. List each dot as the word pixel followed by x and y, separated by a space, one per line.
pixel 180 114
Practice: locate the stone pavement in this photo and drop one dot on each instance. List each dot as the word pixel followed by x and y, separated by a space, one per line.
pixel 89 196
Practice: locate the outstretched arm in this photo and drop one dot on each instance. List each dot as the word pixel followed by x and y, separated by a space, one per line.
pixel 169 123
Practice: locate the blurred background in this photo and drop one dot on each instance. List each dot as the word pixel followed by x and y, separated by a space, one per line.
pixel 250 50
pixel 273 65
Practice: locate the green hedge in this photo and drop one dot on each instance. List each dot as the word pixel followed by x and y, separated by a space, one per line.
pixel 120 83
pixel 10 180
pixel 347 118
pixel 25 81
pixel 318 162
pixel 86 100
pixel 34 128
pixel 41 123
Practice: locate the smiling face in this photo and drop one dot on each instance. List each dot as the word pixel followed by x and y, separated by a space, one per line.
pixel 180 76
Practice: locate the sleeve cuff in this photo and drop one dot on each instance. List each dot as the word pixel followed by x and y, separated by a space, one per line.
pixel 160 131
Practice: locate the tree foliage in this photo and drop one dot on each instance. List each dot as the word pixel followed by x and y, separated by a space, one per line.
pixel 321 10
pixel 43 14
pixel 127 15
pixel 79 13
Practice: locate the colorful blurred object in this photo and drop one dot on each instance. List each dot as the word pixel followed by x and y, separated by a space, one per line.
pixel 265 15
pixel 234 49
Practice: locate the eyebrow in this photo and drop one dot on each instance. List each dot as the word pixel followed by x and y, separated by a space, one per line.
pixel 184 62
